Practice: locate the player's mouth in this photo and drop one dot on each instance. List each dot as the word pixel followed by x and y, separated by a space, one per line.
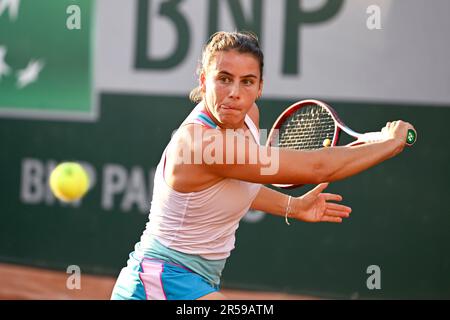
pixel 226 107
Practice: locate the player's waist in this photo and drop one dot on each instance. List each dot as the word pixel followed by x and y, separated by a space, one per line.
pixel 211 270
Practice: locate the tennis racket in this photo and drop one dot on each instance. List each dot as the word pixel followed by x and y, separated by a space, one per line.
pixel 312 124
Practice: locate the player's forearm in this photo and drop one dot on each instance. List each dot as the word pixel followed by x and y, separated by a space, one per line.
pixel 287 166
pixel 343 162
pixel 331 164
pixel 270 201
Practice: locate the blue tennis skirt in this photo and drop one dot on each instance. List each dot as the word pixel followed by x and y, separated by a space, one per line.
pixel 155 279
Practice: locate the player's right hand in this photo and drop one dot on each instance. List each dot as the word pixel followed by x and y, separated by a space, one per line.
pixel 397 131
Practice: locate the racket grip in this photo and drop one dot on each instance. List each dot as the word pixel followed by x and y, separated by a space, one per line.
pixel 371 137
pixel 411 137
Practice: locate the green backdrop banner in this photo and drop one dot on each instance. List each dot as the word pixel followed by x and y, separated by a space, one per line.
pixel 47 65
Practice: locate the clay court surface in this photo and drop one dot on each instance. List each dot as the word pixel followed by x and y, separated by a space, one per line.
pixel 27 283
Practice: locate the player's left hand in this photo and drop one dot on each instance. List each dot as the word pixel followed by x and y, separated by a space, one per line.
pixel 315 206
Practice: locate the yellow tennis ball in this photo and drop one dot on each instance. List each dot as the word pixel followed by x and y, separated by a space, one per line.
pixel 326 142
pixel 69 181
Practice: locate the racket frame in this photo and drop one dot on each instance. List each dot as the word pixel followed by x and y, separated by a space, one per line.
pixel 338 126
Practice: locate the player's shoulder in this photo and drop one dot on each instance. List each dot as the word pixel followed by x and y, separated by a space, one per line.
pixel 192 135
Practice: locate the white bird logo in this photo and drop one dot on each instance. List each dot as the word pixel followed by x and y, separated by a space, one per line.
pixel 30 73
pixel 12 5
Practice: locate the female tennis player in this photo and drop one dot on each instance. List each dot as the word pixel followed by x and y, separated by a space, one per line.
pixel 213 171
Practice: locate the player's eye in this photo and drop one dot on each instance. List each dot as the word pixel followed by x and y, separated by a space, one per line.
pixel 224 79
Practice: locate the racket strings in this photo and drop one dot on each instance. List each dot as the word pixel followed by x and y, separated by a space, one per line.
pixel 307 128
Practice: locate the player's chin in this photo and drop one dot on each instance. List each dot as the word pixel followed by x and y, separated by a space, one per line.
pixel 230 120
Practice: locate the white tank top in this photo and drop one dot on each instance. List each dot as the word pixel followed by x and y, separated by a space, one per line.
pixel 204 222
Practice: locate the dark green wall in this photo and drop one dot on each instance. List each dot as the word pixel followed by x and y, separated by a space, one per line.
pixel 400 218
